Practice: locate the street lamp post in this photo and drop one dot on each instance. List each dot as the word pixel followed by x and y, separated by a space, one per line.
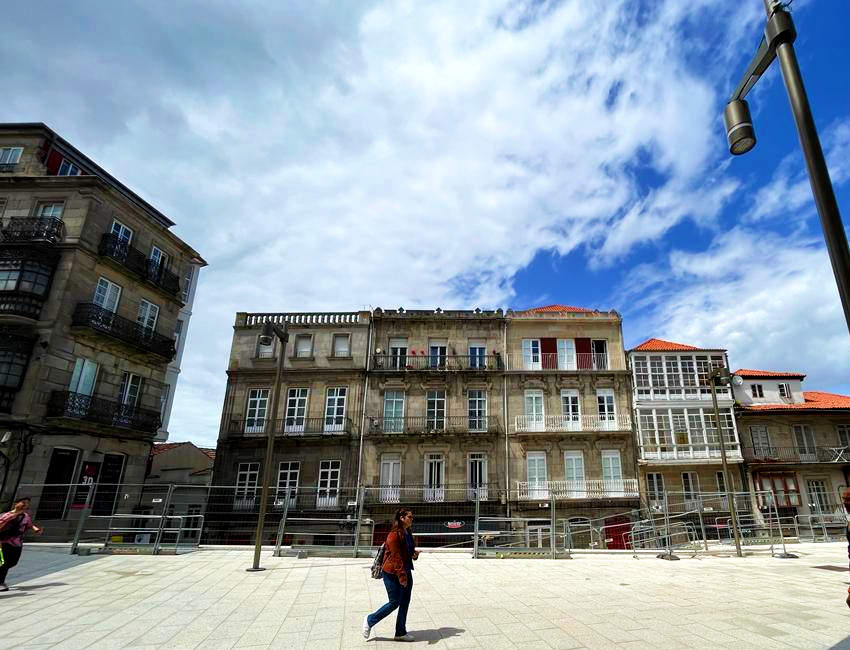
pixel 269 329
pixel 779 35
pixel 722 374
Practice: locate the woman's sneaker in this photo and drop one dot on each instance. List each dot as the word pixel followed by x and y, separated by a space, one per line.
pixel 406 637
pixel 367 629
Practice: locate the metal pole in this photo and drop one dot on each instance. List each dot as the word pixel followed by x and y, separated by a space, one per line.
pixel 267 469
pixel 784 554
pixel 668 554
pixel 701 523
pixel 361 495
pixel 830 218
pixel 162 515
pixel 477 523
pixel 84 515
pixel 281 527
pixel 552 526
pixel 729 496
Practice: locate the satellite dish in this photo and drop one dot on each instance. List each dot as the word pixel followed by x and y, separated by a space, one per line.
pixel 737 380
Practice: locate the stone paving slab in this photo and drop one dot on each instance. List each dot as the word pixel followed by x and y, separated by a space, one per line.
pixel 206 600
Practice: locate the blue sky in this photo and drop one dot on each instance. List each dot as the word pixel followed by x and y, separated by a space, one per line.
pixel 331 156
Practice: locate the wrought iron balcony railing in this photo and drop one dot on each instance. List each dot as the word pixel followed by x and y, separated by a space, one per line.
pixel 562 362
pixel 20 303
pixel 837 454
pixel 123 329
pixel 48 230
pixel 437 425
pixel 137 262
pixel 332 425
pixel 65 404
pixel 578 489
pixel 7 168
pixel 435 493
pixel 438 362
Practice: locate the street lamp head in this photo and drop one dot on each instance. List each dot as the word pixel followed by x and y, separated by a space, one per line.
pixel 266 334
pixel 739 127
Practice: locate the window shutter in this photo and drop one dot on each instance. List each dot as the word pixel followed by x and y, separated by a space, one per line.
pixel 54 161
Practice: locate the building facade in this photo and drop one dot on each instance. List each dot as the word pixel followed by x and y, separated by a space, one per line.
pixel 89 304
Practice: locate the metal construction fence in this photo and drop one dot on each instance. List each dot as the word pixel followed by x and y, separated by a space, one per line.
pixel 482 519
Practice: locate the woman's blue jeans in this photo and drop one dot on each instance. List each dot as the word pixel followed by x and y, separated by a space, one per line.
pixel 399 599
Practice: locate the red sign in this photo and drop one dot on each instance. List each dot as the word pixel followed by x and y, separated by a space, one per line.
pixel 454 524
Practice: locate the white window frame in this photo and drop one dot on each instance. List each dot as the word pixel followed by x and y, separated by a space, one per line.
pixel 655 489
pixel 247 481
pixel 477 353
pixel 757 391
pixel 130 392
pixel 10 155
pixel 84 377
pixel 341 352
pixel 476 475
pixel 574 474
pixel 256 410
pixel 300 351
pixel 784 390
pixel 327 489
pixel 534 420
pixel 390 478
pixel 67 168
pixel 804 433
pixel 335 404
pixel 398 353
pixel 123 234
pixel 566 354
pixel 288 477
pixel 434 477
pixel 147 316
pixel 600 359
pixel 571 409
pixel 843 431
pixel 538 487
pixel 158 257
pixel 606 408
pixel 438 352
pixel 111 293
pixel 612 484
pixel 531 356
pixel 435 410
pixel 477 409
pixel 394 422
pixel 50 210
pixel 296 409
pixel 266 351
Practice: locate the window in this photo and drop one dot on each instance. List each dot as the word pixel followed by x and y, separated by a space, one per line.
pixel 187 283
pixel 9 157
pixel 784 390
pixel 123 235
pixel 163 400
pixel 328 492
pixel 255 413
pixel 761 440
pixel 435 488
pixel 83 377
pixel 477 353
pixel 574 474
pixel 690 485
pixel 476 475
pixel 296 410
pixel 148 313
pixel 304 345
pixel 287 480
pixel 398 353
pixel 844 435
pixel 12 367
pixel 534 418
pixel 178 330
pixel 158 259
pixel 720 482
pixel 68 169
pixel 531 354
pixel 641 369
pixel 49 210
pixel 437 352
pixel 805 439
pixel 393 411
pixel 757 390
pixel 193 521
pixel 477 410
pixel 131 388
pixel 266 351
pixel 605 408
pixel 435 414
pixel 599 348
pixel 335 409
pixel 784 486
pixel 28 276
pixel 390 479
pixel 570 410
pixel 538 485
pixel 246 480
pixel 342 345
pixel 566 354
pixel 818 496
pixel 655 488
pixel 107 294
pixel 611 468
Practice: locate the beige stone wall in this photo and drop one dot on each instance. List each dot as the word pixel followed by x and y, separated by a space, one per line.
pixel 780 427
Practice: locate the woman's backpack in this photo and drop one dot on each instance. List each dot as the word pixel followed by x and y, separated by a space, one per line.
pixel 377 572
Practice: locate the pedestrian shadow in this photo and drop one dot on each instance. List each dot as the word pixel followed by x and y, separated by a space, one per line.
pixel 431 636
pixel 3 596
pixel 41 586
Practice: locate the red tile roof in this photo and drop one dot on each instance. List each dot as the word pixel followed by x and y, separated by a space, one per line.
pixel 660 345
pixel 814 400
pixel 560 308
pixel 161 447
pixel 743 372
pixel 208 451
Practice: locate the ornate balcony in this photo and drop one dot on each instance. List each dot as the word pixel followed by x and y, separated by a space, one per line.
pixel 580 489
pixel 567 423
pixel 836 454
pixel 437 493
pixel 45 230
pixel 428 425
pixel 137 262
pixel 130 332
pixel 21 304
pixel 555 362
pixel 438 362
pixel 76 406
pixel 699 452
pixel 293 426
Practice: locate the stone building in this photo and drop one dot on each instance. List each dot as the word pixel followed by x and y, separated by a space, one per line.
pixel 796 444
pixel 91 288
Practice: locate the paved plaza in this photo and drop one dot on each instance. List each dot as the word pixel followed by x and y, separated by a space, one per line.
pixel 207 600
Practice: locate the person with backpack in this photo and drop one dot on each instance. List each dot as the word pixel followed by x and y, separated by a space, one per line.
pixel 13 525
pixel 397 571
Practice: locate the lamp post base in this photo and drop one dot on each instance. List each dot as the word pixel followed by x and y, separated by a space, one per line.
pixel 667 555
pixel 786 556
pixel 259 568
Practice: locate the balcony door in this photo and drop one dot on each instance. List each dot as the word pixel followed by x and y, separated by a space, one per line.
pixel 570 410
pixel 147 316
pixel 123 235
pixel 605 409
pixel 393 411
pixel 574 464
pixel 599 348
pixel 328 493
pixel 58 480
pixel 435 477
pixel 390 487
pixel 131 390
pixel 566 354
pixel 818 497
pixel 288 475
pixel 476 475
pixel 612 473
pixel 335 409
pixel 159 259
pixel 534 417
pixel 477 410
pixel 398 354
pixel 296 410
pixel 255 413
pixel 538 485
pixel 107 294
pixel 83 378
pixel 531 354
pixel 435 410
pixel 805 440
pixel 761 441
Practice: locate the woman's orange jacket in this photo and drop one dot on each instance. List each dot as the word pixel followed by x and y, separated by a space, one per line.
pixel 396 555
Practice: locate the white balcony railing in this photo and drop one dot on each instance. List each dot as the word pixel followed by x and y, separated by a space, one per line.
pixel 556 423
pixel 586 489
pixel 689 452
pixel 680 393
pixel 327 499
pixel 431 494
pixel 552 361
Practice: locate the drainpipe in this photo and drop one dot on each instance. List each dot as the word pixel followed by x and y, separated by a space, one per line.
pixel 505 412
pixel 363 409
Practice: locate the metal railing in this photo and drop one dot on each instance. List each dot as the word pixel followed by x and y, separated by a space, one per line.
pixel 446 424
pixel 579 489
pixel 123 329
pixel 836 454
pixel 49 230
pixel 20 303
pixel 686 452
pixel 408 493
pixel 560 423
pixel 333 425
pixel 667 393
pixel 552 361
pixel 8 168
pixel 437 362
pixel 137 262
pixel 65 404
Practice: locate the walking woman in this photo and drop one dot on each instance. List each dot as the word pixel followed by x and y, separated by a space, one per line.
pixel 13 525
pixel 399 553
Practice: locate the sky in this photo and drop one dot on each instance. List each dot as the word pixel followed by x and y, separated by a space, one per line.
pixel 340 155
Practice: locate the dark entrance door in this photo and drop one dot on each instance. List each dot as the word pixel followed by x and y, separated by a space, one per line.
pixel 107 488
pixel 60 476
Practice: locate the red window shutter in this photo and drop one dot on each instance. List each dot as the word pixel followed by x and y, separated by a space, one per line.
pixel 549 350
pixel 583 353
pixel 54 161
